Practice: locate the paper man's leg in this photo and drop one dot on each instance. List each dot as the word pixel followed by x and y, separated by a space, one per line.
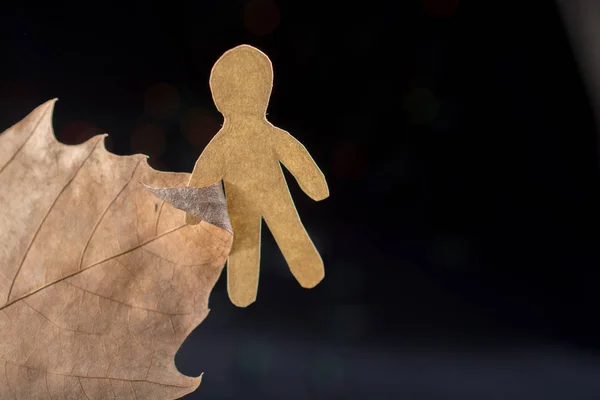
pixel 244 259
pixel 295 244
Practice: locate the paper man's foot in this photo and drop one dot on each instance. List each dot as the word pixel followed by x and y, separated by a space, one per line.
pixel 242 299
pixel 311 283
pixel 309 275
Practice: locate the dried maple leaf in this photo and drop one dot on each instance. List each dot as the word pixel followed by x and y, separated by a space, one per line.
pixel 100 281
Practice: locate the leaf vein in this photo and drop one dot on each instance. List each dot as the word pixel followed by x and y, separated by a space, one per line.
pixel 95 264
pixel 87 243
pixel 44 220
pixel 47 387
pixel 26 140
pixel 96 377
pixel 82 389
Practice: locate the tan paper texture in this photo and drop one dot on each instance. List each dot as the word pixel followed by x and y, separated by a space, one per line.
pixel 100 281
pixel 246 154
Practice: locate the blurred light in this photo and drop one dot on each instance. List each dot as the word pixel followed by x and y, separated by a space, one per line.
pixel 161 100
pixel 148 139
pixel 582 19
pixel 439 8
pixel 261 17
pixel 199 126
pixel 78 131
pixel 349 162
pixel 420 106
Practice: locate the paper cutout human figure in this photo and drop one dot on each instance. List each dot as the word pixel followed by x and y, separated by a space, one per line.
pixel 246 154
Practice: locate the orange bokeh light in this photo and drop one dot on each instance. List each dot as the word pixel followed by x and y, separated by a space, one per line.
pixel 149 139
pixel 199 126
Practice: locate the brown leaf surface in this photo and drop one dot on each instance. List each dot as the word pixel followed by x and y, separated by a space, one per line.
pixel 100 281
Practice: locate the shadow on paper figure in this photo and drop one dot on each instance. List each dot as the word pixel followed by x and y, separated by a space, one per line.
pixel 246 154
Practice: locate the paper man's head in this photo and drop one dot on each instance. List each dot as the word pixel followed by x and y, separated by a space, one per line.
pixel 241 82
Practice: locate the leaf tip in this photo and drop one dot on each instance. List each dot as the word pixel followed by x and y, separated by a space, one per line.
pixel 51 103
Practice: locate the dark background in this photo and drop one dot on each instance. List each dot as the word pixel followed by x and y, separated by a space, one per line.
pixel 461 236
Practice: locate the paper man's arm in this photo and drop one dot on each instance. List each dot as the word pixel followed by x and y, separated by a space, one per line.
pixel 294 156
pixel 208 169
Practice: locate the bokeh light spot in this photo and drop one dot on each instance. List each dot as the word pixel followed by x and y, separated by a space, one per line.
pixel 420 106
pixel 261 17
pixel 349 162
pixel 439 8
pixel 199 126
pixel 148 139
pixel 78 131
pixel 161 100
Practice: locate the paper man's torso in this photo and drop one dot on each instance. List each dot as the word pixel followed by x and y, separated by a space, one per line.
pixel 250 157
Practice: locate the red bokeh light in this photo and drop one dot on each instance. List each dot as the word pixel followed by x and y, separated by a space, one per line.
pixel 161 100
pixel 439 8
pixel 261 17
pixel 77 131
